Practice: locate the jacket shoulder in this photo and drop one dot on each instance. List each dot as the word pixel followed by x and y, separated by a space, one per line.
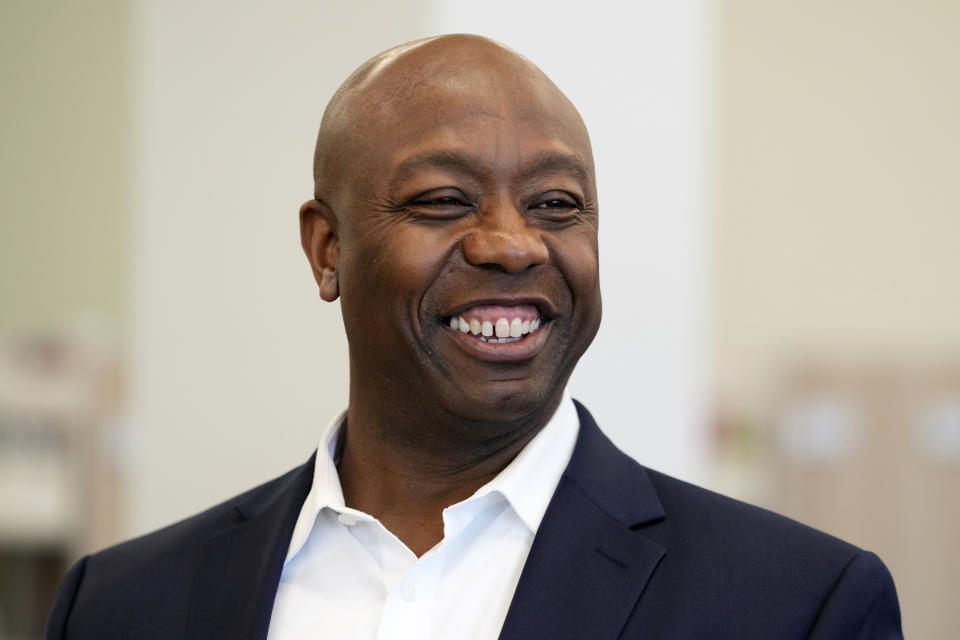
pixel 729 558
pixel 739 526
pixel 149 579
pixel 173 541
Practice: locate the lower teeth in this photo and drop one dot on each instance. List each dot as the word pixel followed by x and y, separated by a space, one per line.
pixel 499 340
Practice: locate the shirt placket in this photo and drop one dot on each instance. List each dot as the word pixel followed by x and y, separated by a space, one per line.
pixel 411 595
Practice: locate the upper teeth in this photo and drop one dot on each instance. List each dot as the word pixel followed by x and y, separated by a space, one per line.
pixel 503 328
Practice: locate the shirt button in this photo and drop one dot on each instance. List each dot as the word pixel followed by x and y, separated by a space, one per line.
pixel 408 593
pixel 347 519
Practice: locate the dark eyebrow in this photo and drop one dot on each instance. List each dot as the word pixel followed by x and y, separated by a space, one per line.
pixel 550 162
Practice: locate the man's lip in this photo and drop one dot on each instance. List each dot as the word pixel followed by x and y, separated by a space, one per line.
pixel 544 306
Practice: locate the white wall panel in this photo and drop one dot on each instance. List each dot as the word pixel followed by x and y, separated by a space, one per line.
pixel 237 363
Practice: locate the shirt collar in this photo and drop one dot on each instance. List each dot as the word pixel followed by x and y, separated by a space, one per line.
pixel 527 483
pixel 325 491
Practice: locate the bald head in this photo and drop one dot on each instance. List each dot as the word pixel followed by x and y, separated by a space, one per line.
pixel 452 176
pixel 408 83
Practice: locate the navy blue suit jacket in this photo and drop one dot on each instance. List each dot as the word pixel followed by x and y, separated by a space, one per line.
pixel 622 552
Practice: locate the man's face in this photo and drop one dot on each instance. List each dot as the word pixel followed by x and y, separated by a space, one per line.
pixel 467 263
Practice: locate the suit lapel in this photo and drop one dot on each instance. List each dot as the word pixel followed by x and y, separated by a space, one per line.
pixel 588 566
pixel 240 566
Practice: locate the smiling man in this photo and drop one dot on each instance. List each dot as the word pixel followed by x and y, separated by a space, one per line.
pixel 462 493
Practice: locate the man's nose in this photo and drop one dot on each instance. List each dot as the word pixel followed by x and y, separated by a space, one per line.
pixel 504 239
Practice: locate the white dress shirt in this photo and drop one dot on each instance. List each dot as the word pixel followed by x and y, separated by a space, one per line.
pixel 347 576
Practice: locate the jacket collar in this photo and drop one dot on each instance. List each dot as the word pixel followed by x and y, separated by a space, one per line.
pixel 240 565
pixel 590 561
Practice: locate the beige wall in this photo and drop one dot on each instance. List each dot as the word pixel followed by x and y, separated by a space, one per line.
pixel 64 162
pixel 838 218
pixel 836 257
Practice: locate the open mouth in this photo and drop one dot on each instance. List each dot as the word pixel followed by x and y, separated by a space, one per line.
pixel 496 324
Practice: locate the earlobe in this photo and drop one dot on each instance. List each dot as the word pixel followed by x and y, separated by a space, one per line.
pixel 321 243
pixel 329 284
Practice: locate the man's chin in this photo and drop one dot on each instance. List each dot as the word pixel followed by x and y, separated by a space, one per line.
pixel 506 402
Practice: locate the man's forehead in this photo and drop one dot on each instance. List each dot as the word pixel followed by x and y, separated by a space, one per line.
pixel 410 92
pixel 476 132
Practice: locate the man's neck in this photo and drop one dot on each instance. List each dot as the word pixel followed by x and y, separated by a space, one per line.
pixel 389 471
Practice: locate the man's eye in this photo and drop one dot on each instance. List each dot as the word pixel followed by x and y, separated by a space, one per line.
pixel 441 201
pixel 438 206
pixel 555 203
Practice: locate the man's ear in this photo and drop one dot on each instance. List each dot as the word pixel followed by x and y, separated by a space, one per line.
pixel 321 243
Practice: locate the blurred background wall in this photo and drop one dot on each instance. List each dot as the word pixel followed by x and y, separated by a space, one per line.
pixel 778 256
pixel 66 170
pixel 835 374
pixel 65 178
